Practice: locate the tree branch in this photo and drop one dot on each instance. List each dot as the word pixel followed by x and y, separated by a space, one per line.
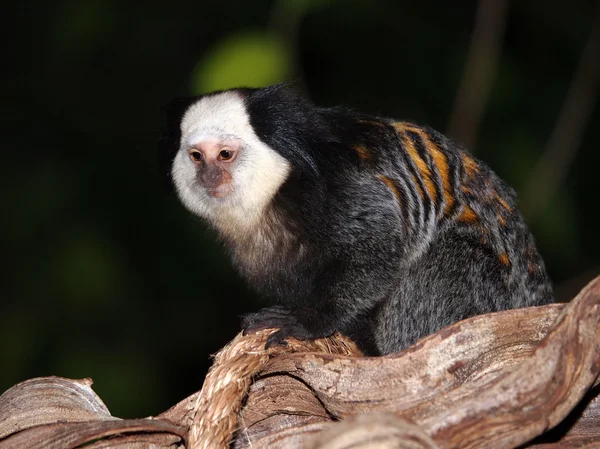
pixel 482 60
pixel 554 164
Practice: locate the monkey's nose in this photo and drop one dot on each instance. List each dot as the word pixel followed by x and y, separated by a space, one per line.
pixel 211 176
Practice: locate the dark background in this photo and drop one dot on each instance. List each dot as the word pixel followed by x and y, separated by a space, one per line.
pixel 106 275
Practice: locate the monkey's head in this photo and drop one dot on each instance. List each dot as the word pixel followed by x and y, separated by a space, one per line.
pixel 222 170
pixel 232 151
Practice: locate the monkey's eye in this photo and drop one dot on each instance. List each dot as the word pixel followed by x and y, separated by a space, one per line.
pixel 225 154
pixel 195 155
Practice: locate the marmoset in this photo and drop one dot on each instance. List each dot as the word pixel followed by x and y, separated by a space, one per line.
pixel 383 230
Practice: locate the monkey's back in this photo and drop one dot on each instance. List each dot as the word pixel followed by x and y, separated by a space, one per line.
pixel 468 250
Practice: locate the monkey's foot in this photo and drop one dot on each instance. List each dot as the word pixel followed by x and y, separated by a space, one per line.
pixel 287 320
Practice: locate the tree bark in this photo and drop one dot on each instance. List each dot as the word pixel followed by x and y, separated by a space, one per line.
pixel 519 378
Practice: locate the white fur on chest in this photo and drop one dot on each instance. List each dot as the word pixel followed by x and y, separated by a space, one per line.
pixel 269 246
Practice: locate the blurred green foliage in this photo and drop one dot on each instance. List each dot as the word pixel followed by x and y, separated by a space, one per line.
pixel 107 276
pixel 242 59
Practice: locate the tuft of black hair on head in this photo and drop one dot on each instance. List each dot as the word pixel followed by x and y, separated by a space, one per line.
pixel 290 123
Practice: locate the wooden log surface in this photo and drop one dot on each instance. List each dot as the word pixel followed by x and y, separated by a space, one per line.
pixel 497 380
pixel 519 378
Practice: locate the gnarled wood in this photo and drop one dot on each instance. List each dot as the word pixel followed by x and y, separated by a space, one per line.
pixel 497 380
pixel 47 400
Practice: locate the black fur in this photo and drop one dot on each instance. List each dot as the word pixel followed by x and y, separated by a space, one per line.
pixel 387 245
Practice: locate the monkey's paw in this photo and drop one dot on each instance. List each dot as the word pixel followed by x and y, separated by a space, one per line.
pixel 289 322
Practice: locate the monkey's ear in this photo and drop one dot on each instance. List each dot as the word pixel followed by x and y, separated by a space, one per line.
pixel 170 136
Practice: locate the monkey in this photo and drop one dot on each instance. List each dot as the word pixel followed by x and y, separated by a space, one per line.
pixel 382 230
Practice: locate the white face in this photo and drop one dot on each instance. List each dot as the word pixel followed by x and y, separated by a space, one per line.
pixel 257 171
